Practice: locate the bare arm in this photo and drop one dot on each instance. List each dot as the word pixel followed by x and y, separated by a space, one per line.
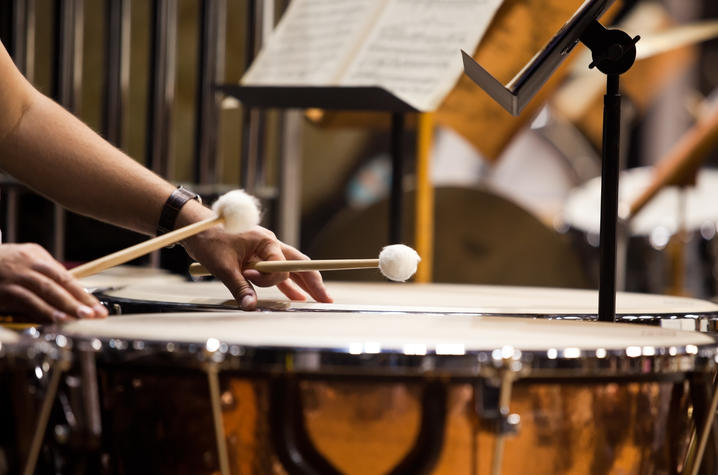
pixel 44 146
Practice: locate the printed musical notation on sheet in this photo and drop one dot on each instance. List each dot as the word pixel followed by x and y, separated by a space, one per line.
pixel 409 47
pixel 313 42
pixel 414 49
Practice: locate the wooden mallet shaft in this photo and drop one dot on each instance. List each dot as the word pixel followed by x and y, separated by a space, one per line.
pixel 133 252
pixel 197 269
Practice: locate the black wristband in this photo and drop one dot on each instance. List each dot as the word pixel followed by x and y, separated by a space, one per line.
pixel 172 207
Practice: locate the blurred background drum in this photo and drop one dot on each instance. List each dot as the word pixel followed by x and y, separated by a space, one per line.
pixel 413 393
pixel 480 237
pixel 671 245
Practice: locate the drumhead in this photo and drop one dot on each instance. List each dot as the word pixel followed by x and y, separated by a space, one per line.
pixel 119 276
pixel 582 208
pixel 458 345
pixel 428 298
pixel 8 336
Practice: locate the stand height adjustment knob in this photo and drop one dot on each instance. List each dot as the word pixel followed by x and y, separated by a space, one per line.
pixel 613 51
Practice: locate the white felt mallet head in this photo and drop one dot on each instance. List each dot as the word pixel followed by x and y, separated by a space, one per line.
pixel 239 209
pixel 398 262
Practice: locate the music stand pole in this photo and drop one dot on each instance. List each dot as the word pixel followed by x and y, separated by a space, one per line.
pixel 609 200
pixel 614 52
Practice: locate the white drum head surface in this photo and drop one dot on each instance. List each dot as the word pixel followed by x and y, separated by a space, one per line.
pixel 427 298
pixel 377 333
pixel 8 336
pixel 129 275
pixel 582 208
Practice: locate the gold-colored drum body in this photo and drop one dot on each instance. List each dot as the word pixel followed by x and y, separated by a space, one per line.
pixel 371 393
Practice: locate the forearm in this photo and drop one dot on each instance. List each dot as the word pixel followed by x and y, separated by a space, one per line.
pixel 60 157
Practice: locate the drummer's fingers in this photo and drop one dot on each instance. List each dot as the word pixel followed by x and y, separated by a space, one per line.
pixel 241 289
pixel 265 279
pixel 59 274
pixel 288 289
pixel 267 250
pixel 311 282
pixel 16 298
pixel 54 294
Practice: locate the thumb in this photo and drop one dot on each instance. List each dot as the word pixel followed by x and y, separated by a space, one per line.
pixel 243 291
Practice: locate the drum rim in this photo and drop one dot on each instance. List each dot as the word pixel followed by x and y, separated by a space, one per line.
pixel 173 306
pixel 648 362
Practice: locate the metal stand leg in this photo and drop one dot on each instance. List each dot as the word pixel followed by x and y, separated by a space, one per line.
pixel 609 199
pixel 162 87
pixel 247 178
pixel 222 453
pixel 211 54
pixel 706 431
pixel 42 418
pixel 117 70
pixel 506 426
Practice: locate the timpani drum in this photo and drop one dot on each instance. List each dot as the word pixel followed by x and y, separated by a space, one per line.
pixel 368 393
pixel 669 311
pixel 30 371
pixel 651 264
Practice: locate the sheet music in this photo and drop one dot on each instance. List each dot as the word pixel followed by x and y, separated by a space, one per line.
pixel 409 47
pixel 414 49
pixel 313 42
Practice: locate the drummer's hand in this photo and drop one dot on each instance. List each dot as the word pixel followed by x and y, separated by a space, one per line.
pixel 228 256
pixel 36 287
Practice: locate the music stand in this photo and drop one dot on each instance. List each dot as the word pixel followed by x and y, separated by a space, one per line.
pixel 364 98
pixel 613 52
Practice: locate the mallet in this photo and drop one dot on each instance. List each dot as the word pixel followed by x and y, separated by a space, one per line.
pixel 236 210
pixel 396 262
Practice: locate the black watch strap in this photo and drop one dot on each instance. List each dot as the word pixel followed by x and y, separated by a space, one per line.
pixel 172 207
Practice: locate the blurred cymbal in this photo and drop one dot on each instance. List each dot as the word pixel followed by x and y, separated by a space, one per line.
pixel 684 35
pixel 480 237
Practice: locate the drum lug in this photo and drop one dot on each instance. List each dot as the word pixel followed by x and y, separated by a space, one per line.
pixel 491 414
pixel 509 424
pixel 492 398
pixel 113 308
pixel 62 434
